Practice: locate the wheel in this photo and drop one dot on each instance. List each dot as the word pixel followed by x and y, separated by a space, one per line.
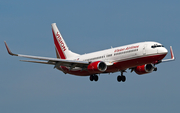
pixel 119 78
pixel 123 78
pixel 155 69
pixel 95 78
pixel 91 77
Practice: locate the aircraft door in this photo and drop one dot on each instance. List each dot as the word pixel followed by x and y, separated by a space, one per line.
pixel 144 49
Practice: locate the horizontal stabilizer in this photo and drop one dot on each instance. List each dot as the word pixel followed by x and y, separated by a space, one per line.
pixel 38 62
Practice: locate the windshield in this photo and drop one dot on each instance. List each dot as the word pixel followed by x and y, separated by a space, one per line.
pixel 156 45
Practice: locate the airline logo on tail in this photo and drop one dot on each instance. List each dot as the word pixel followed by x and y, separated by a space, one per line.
pixel 60 41
pixel 59 44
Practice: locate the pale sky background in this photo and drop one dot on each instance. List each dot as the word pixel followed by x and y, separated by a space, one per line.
pixel 87 26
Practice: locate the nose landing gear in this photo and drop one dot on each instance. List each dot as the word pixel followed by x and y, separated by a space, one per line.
pixel 155 69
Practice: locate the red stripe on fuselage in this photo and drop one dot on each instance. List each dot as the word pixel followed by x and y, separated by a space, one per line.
pixel 118 66
pixel 122 65
pixel 58 47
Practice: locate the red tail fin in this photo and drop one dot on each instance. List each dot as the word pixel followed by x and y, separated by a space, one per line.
pixel 62 50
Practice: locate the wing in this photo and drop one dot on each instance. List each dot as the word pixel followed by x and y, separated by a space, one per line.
pixel 52 61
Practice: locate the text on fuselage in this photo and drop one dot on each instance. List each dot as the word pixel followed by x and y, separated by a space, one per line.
pixel 127 48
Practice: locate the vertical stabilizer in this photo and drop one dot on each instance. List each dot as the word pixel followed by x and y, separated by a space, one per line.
pixel 62 51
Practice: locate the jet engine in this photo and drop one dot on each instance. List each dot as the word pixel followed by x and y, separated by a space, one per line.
pixel 97 67
pixel 147 68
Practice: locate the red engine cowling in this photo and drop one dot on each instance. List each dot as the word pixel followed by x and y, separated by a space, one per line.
pixel 147 68
pixel 97 67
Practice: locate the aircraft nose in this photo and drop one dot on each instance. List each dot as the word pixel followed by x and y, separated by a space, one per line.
pixel 163 50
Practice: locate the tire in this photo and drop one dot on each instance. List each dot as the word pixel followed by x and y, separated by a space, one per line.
pixel 119 78
pixel 123 78
pixel 95 78
pixel 155 69
pixel 91 78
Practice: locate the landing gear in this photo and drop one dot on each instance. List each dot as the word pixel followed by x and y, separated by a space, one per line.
pixel 93 77
pixel 121 77
pixel 155 69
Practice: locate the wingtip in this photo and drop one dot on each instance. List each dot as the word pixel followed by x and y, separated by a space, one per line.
pixel 172 54
pixel 9 51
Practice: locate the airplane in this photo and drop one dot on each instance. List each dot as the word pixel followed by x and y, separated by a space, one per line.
pixel 141 58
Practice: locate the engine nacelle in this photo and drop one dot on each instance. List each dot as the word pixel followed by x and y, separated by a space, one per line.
pixel 97 67
pixel 147 68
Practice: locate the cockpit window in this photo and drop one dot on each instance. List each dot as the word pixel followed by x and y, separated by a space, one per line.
pixel 156 45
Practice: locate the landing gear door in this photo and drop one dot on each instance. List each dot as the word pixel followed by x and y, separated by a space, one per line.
pixel 144 49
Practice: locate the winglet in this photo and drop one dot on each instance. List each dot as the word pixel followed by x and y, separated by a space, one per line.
pixel 9 51
pixel 172 54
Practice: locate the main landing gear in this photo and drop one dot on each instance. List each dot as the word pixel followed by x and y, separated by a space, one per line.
pixel 93 77
pixel 121 77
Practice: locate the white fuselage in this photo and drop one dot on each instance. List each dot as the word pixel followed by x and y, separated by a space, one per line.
pixel 124 53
